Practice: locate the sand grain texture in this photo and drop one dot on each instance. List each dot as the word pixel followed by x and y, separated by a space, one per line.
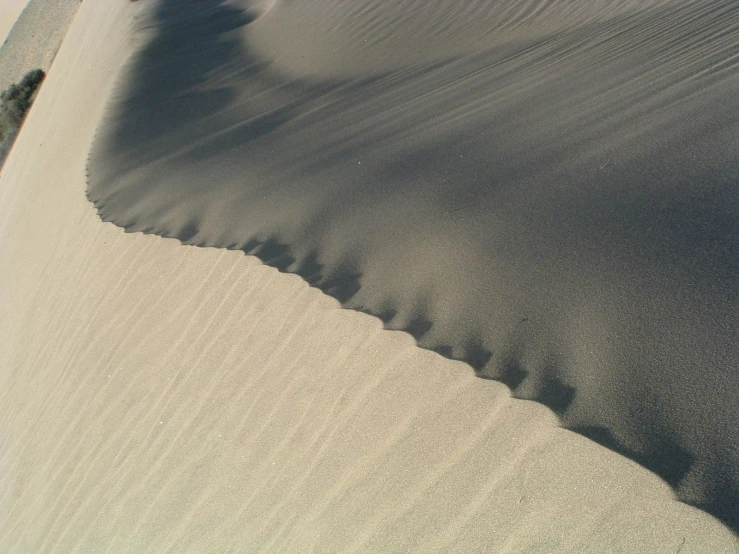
pixel 156 396
pixel 546 190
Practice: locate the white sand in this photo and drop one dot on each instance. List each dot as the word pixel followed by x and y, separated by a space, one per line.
pixel 155 396
pixel 544 189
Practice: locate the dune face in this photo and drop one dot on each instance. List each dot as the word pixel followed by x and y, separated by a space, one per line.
pixel 546 190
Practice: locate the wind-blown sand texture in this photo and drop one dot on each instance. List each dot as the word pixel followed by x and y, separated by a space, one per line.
pixel 546 190
pixel 156 396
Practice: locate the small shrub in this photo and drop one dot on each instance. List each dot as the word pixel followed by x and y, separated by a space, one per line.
pixel 14 104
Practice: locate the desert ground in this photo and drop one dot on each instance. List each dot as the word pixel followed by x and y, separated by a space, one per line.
pixel 334 276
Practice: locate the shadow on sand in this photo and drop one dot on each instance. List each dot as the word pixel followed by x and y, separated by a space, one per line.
pixel 207 143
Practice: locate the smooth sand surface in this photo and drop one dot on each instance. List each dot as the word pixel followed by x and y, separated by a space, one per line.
pixel 546 190
pixel 160 397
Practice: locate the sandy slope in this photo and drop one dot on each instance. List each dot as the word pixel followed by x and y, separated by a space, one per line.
pixel 545 189
pixel 164 397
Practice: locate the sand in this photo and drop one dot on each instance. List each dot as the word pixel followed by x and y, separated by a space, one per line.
pixel 34 36
pixel 9 12
pixel 158 396
pixel 545 190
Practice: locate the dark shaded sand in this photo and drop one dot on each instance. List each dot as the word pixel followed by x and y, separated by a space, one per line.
pixel 546 190
pixel 167 398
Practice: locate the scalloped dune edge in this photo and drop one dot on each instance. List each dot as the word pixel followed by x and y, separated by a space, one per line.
pixel 160 396
pixel 544 189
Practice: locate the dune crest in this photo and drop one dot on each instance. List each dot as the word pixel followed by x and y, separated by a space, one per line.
pixel 155 396
pixel 545 190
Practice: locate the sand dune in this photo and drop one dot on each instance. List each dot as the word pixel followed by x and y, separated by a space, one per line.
pixel 546 190
pixel 162 397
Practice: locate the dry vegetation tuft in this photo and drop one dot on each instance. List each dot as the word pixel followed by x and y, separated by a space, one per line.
pixel 14 104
